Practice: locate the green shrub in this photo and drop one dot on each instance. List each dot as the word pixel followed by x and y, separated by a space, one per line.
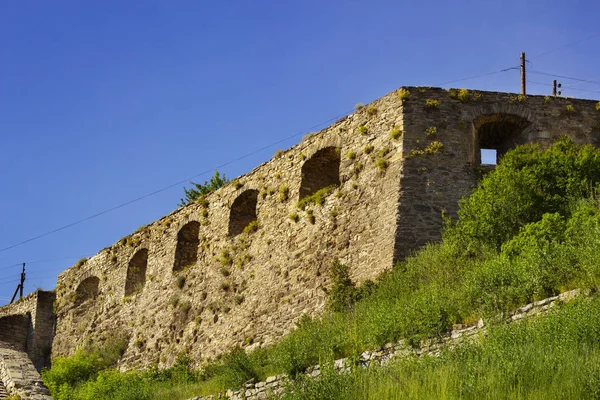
pixel 199 191
pixel 569 108
pixel 598 106
pixel 362 129
pixel 371 110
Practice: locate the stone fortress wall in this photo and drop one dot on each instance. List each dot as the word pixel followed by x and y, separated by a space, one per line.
pixel 240 267
pixel 28 325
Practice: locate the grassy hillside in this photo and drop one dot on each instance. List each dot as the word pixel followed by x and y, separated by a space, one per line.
pixel 530 230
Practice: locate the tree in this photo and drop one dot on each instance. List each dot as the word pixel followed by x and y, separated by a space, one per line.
pixel 529 182
pixel 201 190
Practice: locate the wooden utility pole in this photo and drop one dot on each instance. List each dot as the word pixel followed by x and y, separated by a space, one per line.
pixel 19 288
pixel 523 80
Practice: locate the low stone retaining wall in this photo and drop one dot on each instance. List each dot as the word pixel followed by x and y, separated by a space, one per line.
pixel 19 376
pixel 275 385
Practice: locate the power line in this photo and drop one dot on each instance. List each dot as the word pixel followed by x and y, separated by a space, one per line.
pixel 106 211
pixel 477 76
pixel 564 77
pixel 565 46
pixel 566 88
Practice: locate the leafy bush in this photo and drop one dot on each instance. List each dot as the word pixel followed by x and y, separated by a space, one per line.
pixel 200 190
pixel 528 183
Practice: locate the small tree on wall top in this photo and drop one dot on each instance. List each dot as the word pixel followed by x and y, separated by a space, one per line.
pixel 199 190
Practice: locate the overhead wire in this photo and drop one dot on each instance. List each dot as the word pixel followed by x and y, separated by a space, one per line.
pixel 564 77
pixel 564 46
pixel 181 182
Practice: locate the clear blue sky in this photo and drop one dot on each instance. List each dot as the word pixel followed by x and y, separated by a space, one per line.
pixel 104 101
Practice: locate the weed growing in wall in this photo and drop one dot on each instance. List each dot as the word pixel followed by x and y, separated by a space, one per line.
pixel 569 108
pixel 598 106
pixel 294 217
pixel 284 193
pixel 362 129
pixel 432 148
pixel 371 110
pixel 431 131
pixel 396 133
pixel 382 164
pixel 317 198
pixel 250 228
pixel 432 104
pixel 403 94
pixel 516 99
pixel 359 106
pixel 350 155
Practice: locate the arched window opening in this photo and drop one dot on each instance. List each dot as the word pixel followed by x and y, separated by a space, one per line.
pixel 87 290
pixel 186 252
pixel 243 211
pixel 136 273
pixel 320 171
pixel 495 134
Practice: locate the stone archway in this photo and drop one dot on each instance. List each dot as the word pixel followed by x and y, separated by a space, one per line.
pixel 498 133
pixel 320 171
pixel 243 211
pixel 87 290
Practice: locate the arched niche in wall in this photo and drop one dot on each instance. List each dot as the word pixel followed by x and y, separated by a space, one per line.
pixel 87 290
pixel 186 252
pixel 495 134
pixel 136 272
pixel 243 211
pixel 320 171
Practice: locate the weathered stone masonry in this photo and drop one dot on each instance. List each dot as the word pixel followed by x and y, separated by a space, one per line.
pixel 241 266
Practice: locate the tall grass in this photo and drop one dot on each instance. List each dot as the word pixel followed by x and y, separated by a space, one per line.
pixel 553 357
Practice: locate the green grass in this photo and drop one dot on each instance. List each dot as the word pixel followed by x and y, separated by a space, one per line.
pixel 552 357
